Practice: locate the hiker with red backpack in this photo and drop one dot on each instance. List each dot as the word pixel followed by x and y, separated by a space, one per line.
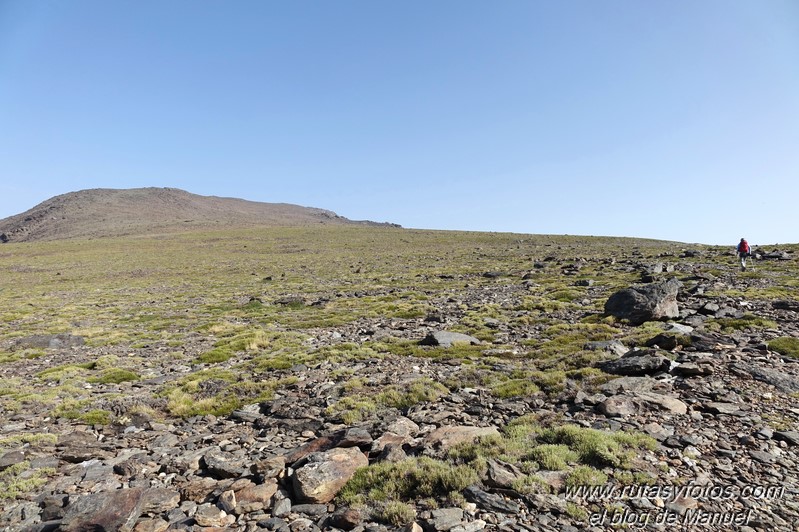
pixel 743 252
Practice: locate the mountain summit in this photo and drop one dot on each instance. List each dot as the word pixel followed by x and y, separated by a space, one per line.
pixel 101 212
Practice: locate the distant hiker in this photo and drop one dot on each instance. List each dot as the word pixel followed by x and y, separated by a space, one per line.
pixel 743 252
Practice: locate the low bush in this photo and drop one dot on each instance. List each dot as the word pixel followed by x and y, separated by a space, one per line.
pixel 785 345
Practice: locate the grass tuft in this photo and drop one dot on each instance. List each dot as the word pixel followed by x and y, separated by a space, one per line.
pixel 785 345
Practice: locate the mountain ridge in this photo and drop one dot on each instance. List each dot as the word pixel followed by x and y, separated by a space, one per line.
pixel 107 212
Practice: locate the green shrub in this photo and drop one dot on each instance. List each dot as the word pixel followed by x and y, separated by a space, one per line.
pixel 584 475
pixel 515 388
pixel 413 349
pixel 576 512
pixel 353 409
pixel 71 408
pixel 115 376
pixel 32 439
pixel 216 355
pixel 396 513
pixel 96 417
pixel 9 357
pixel 407 480
pixel 596 447
pixel 554 457
pixel 785 345
pixel 182 404
pixel 107 362
pixel 541 304
pixel 19 479
pixel 550 381
pixel 730 325
pixel 566 296
pixel 61 373
pixel 344 352
pixel 529 484
pixel 408 395
pixel 217 392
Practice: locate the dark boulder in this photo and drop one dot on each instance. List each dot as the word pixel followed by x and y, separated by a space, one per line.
pixel 786 304
pixel 637 363
pixel 639 304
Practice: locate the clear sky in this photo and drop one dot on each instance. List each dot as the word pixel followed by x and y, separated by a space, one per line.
pixel 675 120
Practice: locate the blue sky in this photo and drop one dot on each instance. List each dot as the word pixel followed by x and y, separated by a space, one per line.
pixel 673 120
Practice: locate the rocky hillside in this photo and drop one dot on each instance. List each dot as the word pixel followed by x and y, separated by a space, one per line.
pixel 100 213
pixel 376 380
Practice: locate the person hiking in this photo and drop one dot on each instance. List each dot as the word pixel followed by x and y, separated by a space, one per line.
pixel 743 252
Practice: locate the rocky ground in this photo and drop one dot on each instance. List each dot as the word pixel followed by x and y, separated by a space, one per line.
pixel 721 407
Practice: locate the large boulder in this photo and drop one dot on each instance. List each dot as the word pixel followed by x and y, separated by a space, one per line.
pixel 110 510
pixel 321 478
pixel 639 304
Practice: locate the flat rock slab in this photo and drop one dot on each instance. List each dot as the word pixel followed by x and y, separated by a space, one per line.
pixel 782 381
pixel 637 364
pixel 693 369
pixel 629 384
pixel 447 339
pixel 664 402
pixel 791 437
pixel 446 437
pixel 624 405
pixel 722 408
pixel 613 347
pixel 114 510
pixel 445 519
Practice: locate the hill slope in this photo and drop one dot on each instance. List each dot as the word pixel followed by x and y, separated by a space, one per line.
pixel 99 213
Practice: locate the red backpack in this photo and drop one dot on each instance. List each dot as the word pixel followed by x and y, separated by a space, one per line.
pixel 743 247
